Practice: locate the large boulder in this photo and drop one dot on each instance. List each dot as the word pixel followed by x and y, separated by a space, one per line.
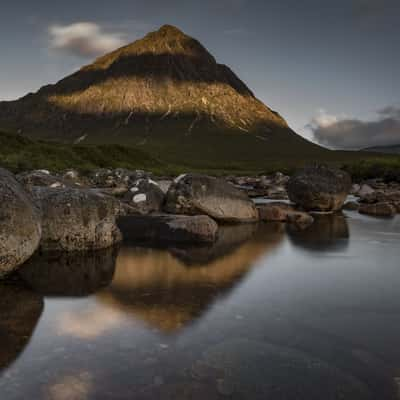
pixel 144 197
pixel 167 229
pixel 193 194
pixel 319 188
pixel 75 220
pixel 20 228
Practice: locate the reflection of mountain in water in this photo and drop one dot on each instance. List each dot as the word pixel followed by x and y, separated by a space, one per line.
pixel 328 232
pixel 20 310
pixel 159 288
pixel 70 274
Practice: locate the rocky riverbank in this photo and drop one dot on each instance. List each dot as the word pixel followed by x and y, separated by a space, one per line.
pixel 45 212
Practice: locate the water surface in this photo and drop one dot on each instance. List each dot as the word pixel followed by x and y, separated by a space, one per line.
pixel 267 312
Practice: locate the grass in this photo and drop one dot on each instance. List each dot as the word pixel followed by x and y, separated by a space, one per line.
pixel 172 157
pixel 18 153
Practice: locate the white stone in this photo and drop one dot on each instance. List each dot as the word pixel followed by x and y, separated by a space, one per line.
pixel 176 180
pixel 139 198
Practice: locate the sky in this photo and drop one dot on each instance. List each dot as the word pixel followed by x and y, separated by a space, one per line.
pixel 330 68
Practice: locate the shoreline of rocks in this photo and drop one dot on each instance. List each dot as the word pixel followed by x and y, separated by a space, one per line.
pixel 67 212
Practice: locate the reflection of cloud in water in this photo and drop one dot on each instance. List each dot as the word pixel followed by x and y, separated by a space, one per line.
pixel 162 290
pixel 89 323
pixel 328 232
pixel 20 310
pixel 72 387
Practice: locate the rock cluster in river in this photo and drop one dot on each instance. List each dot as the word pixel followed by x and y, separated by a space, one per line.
pixel 73 212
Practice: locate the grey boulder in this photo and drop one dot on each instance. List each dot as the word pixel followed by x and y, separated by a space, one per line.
pixel 20 229
pixel 319 188
pixel 75 220
pixel 194 194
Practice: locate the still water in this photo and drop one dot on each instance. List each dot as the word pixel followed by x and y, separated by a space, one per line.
pixel 265 313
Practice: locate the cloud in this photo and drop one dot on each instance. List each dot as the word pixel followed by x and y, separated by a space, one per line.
pixel 84 39
pixel 88 324
pixel 346 133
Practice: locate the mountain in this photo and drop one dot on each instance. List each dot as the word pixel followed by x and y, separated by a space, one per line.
pixel 167 94
pixel 392 149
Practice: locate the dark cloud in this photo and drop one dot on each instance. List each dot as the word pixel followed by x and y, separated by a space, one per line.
pixel 344 133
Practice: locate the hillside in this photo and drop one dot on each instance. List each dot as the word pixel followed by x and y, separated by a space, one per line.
pixel 167 95
pixel 393 149
pixel 18 153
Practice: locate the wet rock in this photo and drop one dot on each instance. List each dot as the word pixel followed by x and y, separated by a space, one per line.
pixel 20 310
pixel 144 197
pixel 365 190
pixel 276 211
pixel 284 212
pixel 71 274
pixel 351 206
pixel 108 178
pixel 319 188
pixel 75 220
pixel 40 178
pixel 198 194
pixel 20 228
pixel 355 189
pixel 300 220
pixel 164 184
pixel 378 209
pixel 167 228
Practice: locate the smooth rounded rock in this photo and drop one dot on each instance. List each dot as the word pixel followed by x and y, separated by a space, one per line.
pixel 319 188
pixel 194 194
pixel 20 229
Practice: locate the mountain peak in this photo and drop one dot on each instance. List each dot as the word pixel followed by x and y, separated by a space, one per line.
pixel 170 30
pixel 167 40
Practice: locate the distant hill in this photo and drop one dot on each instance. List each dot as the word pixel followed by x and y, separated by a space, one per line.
pixel 167 95
pixel 393 149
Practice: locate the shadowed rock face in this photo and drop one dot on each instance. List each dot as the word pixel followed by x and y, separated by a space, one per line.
pixel 161 290
pixel 328 232
pixel 69 274
pixel 20 310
